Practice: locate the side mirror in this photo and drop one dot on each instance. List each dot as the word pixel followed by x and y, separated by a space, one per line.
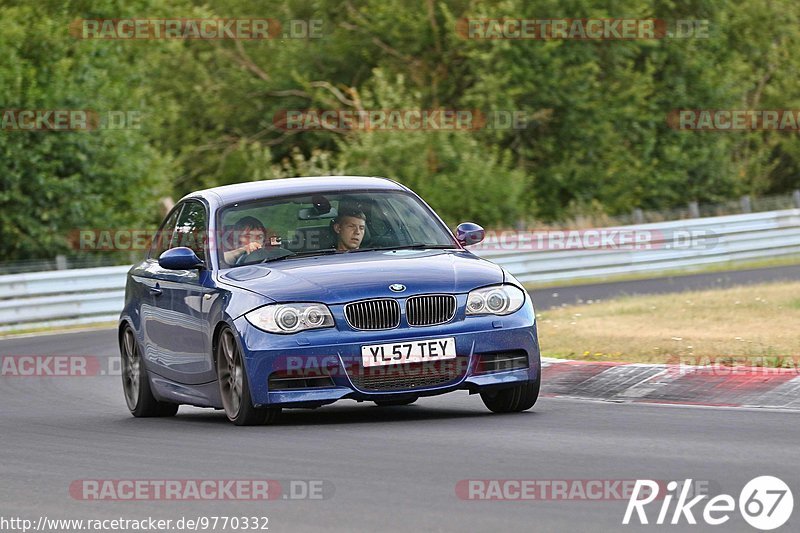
pixel 468 233
pixel 180 258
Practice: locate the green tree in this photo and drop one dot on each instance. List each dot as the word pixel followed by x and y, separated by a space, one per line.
pixel 52 182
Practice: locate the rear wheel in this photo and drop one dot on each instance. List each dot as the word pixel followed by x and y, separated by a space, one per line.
pixel 136 384
pixel 234 387
pixel 513 399
pixel 395 403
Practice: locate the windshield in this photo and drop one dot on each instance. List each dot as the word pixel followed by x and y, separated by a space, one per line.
pixel 273 229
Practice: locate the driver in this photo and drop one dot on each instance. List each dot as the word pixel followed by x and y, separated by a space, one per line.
pixel 349 226
pixel 250 233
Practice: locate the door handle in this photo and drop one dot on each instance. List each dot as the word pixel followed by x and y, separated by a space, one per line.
pixel 156 291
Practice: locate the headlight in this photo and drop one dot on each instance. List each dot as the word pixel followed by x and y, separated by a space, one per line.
pixel 290 318
pixel 495 300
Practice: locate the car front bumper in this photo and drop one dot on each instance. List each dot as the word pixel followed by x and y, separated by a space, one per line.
pixel 336 355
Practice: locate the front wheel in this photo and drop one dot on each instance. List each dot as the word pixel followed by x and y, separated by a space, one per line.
pixel 135 382
pixel 513 399
pixel 234 387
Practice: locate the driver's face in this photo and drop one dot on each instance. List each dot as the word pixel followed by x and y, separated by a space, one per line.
pixel 248 235
pixel 351 232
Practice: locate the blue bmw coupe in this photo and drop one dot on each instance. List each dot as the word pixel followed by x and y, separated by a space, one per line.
pixel 296 293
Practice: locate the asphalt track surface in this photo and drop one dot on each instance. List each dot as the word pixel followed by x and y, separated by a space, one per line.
pixel 385 469
pixel 546 298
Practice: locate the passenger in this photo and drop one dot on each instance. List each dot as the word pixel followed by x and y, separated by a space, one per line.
pixel 250 233
pixel 349 226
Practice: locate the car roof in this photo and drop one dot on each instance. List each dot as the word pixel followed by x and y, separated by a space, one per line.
pixel 240 192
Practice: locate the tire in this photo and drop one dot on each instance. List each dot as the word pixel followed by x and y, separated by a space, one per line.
pixel 395 403
pixel 136 383
pixel 514 399
pixel 234 387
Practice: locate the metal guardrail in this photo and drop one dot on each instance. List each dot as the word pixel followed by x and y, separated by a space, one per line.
pixel 67 297
pixel 61 297
pixel 675 245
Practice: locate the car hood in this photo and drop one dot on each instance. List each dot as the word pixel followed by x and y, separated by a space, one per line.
pixel 342 278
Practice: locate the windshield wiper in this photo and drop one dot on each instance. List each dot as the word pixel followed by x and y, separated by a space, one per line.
pixel 308 253
pixel 412 246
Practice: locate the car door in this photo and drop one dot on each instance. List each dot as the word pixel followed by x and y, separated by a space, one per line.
pixel 154 306
pixel 179 328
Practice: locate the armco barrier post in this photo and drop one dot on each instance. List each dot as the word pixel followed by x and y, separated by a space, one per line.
pixel 747 206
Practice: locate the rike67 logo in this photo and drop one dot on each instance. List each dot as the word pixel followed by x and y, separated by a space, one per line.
pixel 765 502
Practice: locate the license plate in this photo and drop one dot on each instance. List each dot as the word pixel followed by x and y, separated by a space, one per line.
pixel 408 352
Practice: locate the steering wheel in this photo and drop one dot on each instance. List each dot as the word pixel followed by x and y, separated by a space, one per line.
pixel 264 254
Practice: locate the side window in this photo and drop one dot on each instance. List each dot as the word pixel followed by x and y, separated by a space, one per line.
pixel 164 235
pixel 191 229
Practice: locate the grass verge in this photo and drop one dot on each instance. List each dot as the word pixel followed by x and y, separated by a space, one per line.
pixel 46 330
pixel 759 321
